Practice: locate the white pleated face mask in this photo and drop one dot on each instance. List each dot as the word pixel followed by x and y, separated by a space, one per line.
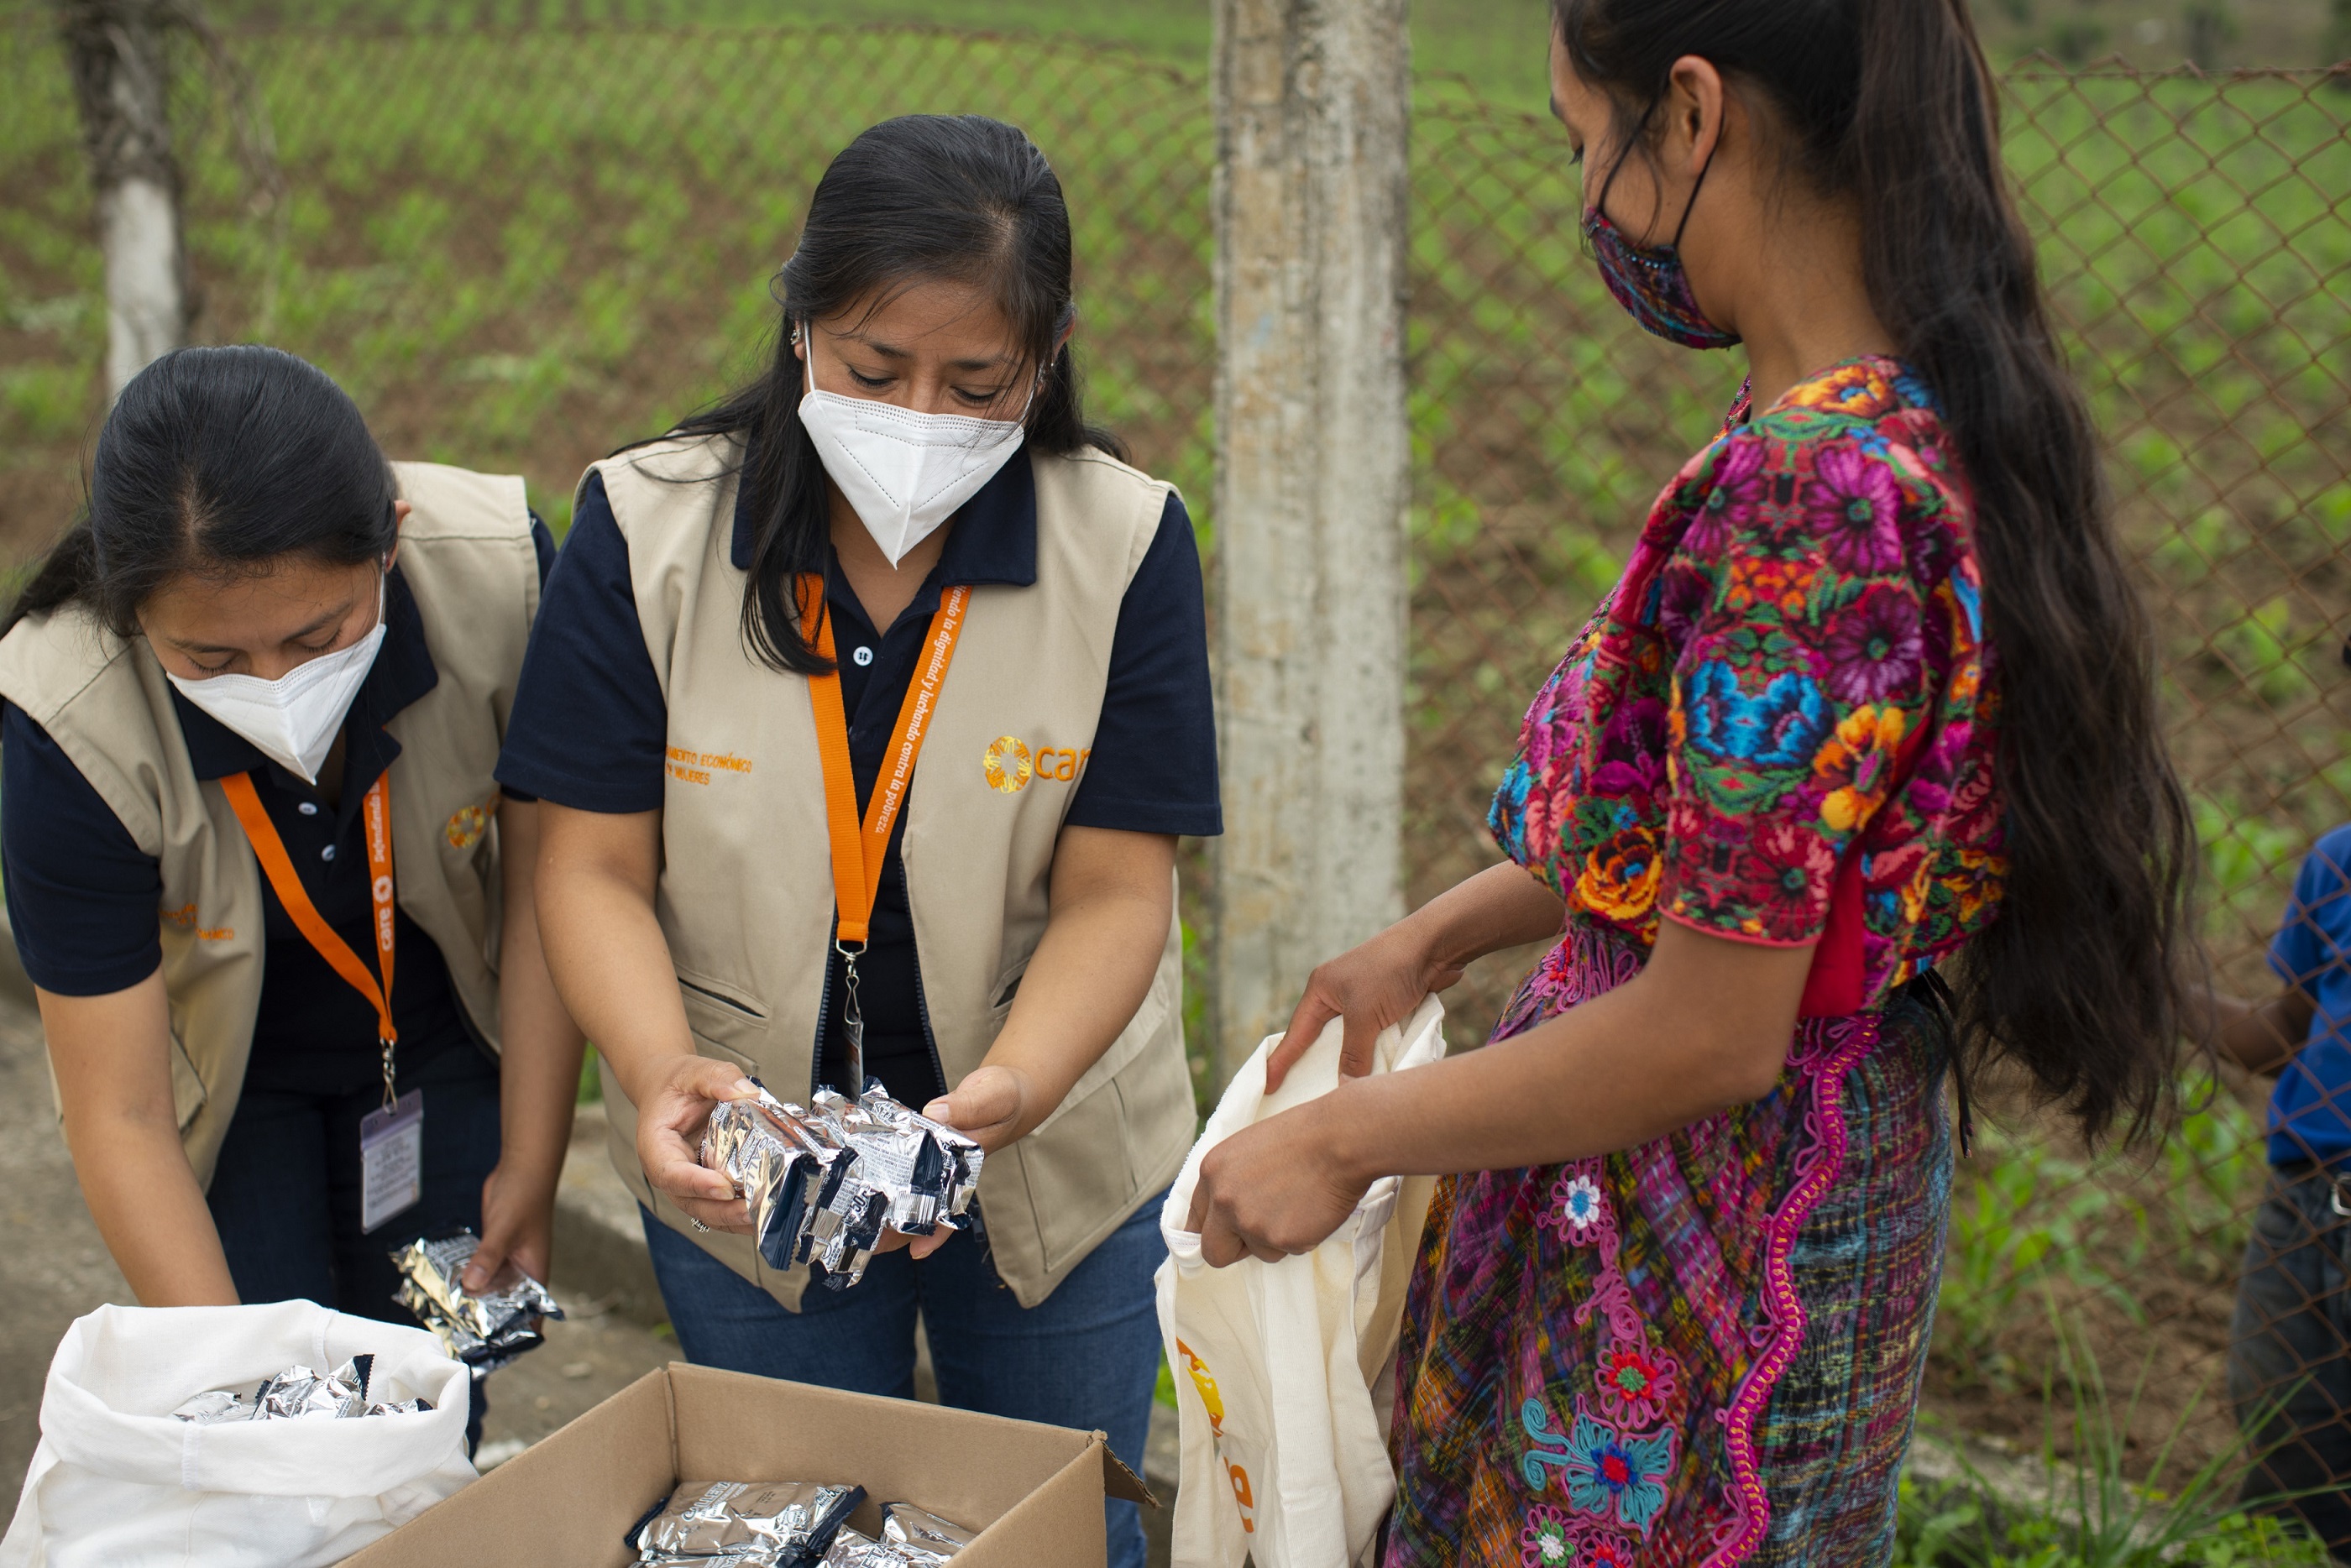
pixel 293 719
pixel 904 472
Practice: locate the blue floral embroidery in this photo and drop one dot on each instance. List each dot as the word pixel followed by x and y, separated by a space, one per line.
pixel 1780 727
pixel 1615 1475
pixel 1544 1447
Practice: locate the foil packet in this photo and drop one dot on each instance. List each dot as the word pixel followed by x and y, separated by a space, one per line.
pixel 786 1524
pixel 298 1394
pixel 922 1536
pixel 911 1538
pixel 850 1550
pixel 787 1167
pixel 486 1331
pixel 823 1183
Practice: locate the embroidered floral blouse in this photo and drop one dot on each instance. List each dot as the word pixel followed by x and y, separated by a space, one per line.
pixel 1788 700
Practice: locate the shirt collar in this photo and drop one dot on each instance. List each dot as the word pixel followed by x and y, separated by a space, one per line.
pixel 402 672
pixel 994 539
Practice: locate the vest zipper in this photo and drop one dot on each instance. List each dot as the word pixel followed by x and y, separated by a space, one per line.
pixel 922 1012
pixel 823 1011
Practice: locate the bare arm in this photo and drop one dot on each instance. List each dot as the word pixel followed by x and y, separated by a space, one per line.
pixel 1705 1027
pixel 2258 1036
pixel 597 874
pixel 113 1060
pixel 1112 896
pixel 538 1072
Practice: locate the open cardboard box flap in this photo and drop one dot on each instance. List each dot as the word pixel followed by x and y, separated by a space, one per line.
pixel 1036 1489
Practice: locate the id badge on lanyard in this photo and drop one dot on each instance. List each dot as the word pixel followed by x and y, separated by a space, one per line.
pixel 859 850
pixel 391 1139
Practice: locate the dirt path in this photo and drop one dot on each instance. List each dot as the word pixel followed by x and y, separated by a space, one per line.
pixel 53 1267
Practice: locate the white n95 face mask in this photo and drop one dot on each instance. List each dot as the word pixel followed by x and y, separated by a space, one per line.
pixel 904 472
pixel 294 718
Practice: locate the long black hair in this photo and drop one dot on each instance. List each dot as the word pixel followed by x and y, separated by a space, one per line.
pixel 217 462
pixel 1889 103
pixel 925 197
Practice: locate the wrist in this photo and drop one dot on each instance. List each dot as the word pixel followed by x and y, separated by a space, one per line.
pixel 1335 1127
pixel 643 1074
pixel 1431 947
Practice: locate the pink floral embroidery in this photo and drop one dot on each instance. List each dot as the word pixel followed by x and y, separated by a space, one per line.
pixel 1637 1383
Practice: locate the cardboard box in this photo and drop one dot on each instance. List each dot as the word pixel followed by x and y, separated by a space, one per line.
pixel 1036 1490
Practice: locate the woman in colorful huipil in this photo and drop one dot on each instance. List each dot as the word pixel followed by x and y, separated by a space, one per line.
pixel 1873 692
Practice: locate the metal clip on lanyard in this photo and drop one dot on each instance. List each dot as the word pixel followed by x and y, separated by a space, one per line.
pixel 278 867
pixel 858 851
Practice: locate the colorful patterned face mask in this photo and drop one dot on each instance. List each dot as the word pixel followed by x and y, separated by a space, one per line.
pixel 1649 281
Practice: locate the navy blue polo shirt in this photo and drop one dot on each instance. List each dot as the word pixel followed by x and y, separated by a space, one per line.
pixel 84 900
pixel 590 727
pixel 2310 1111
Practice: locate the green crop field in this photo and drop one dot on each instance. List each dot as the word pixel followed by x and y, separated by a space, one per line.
pixel 520 246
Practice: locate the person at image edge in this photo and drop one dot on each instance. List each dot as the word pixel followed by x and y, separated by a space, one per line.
pixel 259 687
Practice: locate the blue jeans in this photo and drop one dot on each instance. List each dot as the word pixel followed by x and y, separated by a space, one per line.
pixel 1086 1356
pixel 285 1195
pixel 2290 1356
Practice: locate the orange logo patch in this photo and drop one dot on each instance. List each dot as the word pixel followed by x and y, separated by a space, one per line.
pixel 464 829
pixel 1010 764
pixel 1006 763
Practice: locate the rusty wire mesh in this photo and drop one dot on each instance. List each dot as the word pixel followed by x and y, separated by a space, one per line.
pixel 520 248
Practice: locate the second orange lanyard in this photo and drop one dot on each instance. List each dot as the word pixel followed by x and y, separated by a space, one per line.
pixel 859 848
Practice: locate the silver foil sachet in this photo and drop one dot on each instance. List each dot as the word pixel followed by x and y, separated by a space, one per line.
pixel 924 1537
pixel 822 1182
pixel 297 1394
pixel 485 1331
pixel 774 1524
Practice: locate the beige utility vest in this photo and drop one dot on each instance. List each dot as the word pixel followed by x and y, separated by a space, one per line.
pixel 465 552
pixel 746 896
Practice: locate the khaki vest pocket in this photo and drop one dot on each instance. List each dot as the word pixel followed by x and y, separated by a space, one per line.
pixel 724 1027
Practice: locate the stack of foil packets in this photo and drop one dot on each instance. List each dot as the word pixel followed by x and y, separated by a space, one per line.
pixel 484 1331
pixel 299 1393
pixel 911 1538
pixel 787 1524
pixel 744 1524
pixel 821 1183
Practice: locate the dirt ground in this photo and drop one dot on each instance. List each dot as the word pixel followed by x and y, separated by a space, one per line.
pixel 54 1268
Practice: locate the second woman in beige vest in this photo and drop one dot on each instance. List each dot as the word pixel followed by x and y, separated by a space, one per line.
pixel 917 460
pixel 251 703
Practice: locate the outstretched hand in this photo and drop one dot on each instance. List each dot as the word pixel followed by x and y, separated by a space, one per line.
pixel 1369 987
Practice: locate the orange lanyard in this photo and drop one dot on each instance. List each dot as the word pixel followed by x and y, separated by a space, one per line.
pixel 858 853
pixel 278 867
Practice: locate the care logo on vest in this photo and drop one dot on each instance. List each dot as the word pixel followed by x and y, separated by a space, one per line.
pixel 1008 764
pixel 468 822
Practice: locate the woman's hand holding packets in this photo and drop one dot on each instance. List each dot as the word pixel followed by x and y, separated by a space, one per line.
pixel 671 1115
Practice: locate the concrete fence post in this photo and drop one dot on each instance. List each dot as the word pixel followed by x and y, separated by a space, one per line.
pixel 1312 105
pixel 114 49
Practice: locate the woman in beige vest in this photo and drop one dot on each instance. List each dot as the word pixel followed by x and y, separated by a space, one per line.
pixel 253 700
pixel 1010 953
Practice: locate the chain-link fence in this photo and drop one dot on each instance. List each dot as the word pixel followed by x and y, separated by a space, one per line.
pixel 520 248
